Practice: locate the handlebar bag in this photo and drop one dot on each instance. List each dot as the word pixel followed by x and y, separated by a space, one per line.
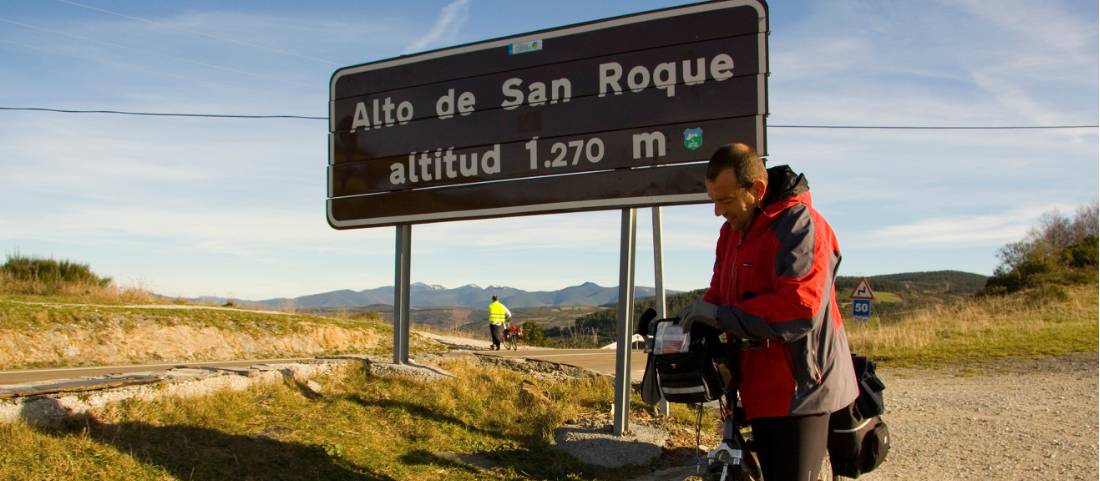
pixel 692 376
pixel 688 378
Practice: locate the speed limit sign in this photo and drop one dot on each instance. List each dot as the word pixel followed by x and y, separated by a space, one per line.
pixel 861 309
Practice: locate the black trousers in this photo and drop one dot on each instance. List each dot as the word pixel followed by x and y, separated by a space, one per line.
pixel 497 332
pixel 791 448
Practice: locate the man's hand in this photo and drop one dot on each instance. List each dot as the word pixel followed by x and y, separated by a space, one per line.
pixel 699 311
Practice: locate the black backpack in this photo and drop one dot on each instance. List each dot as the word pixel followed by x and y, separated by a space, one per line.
pixel 858 437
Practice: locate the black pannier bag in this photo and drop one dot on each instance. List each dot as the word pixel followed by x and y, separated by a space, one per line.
pixel 858 437
pixel 869 403
pixel 683 374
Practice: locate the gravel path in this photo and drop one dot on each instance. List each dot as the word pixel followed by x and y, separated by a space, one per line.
pixel 997 420
pixel 1011 420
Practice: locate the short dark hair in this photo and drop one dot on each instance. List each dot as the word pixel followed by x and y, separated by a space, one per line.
pixel 494 298
pixel 746 164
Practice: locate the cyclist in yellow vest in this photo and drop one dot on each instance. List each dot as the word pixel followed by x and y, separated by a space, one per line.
pixel 498 315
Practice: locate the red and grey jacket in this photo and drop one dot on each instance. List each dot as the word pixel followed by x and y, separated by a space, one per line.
pixel 774 283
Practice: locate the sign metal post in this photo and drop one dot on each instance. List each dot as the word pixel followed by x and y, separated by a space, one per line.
pixel 624 327
pixel 402 285
pixel 659 285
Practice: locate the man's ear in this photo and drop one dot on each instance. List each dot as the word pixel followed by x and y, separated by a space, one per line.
pixel 758 189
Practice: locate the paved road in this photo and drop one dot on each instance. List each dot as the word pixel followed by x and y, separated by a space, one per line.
pixel 602 360
pixel 25 376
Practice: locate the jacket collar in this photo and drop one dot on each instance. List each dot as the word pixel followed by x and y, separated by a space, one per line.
pixel 785 189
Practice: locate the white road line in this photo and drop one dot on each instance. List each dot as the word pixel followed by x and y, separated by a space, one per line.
pixel 539 356
pixel 152 366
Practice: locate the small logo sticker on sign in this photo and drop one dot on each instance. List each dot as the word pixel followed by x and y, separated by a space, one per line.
pixel 693 138
pixel 525 47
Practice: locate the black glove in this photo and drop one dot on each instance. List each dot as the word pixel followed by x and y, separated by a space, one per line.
pixel 699 311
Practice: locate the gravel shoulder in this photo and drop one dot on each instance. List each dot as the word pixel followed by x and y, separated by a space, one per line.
pixel 1012 419
pixel 1019 419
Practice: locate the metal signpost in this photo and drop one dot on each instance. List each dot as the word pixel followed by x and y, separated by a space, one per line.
pixel 611 114
pixel 659 285
pixel 861 301
pixel 624 327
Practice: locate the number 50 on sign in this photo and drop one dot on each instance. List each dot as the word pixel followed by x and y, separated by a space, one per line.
pixel 861 309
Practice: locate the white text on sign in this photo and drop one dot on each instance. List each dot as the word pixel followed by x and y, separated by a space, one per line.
pixel 385 112
pixel 445 164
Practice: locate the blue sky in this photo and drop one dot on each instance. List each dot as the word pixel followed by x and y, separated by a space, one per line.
pixel 186 206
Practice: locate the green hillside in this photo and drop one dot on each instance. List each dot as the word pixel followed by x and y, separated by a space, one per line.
pixel 899 294
pixel 895 295
pixel 916 286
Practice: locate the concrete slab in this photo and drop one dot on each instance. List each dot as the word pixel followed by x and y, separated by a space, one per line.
pixel 600 447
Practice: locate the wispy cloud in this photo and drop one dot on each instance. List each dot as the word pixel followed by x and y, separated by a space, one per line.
pixel 162 25
pixel 196 226
pixel 149 52
pixel 594 231
pixel 1041 24
pixel 813 60
pixel 961 231
pixel 450 21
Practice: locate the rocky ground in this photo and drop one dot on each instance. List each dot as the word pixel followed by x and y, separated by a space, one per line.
pixel 1007 419
pixel 1033 419
pixel 1019 420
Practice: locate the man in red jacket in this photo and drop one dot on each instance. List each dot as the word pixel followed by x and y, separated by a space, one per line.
pixel 773 283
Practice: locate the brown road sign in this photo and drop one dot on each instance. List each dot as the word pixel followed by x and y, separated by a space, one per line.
pixel 608 114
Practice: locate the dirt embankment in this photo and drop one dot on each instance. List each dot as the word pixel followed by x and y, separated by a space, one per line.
pixel 129 342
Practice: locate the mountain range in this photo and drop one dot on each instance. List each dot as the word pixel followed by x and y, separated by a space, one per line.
pixel 912 286
pixel 471 295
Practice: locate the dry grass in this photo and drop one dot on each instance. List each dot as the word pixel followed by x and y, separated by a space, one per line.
pixel 76 292
pixel 362 428
pixel 33 276
pixel 1053 321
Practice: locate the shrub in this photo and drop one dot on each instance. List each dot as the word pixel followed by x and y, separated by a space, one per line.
pixel 1059 251
pixel 43 276
pixel 49 277
pixel 533 334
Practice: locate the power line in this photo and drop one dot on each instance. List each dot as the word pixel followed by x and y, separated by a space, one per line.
pixel 162 114
pixel 777 126
pixel 150 52
pixel 935 127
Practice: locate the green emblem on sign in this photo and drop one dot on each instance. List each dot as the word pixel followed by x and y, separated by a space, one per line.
pixel 693 138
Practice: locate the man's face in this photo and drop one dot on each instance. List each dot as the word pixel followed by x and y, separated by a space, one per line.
pixel 732 200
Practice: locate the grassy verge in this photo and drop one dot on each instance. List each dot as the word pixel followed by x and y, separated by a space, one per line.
pixel 49 311
pixel 1050 322
pixel 361 428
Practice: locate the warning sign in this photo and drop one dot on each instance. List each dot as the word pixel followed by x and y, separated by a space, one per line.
pixel 863 290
